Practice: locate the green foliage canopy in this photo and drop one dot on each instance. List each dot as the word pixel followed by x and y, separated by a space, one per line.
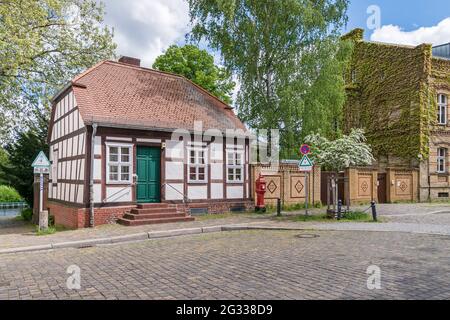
pixel 287 57
pixel 43 44
pixel 198 66
pixel 9 194
pixel 349 150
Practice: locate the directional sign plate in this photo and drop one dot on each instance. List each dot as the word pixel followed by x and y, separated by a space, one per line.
pixel 305 164
pixel 41 161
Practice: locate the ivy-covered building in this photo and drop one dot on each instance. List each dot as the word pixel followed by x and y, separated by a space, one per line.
pixel 400 95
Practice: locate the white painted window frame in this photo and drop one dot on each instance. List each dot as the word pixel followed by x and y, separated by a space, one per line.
pixel 442 106
pixel 197 165
pixel 119 163
pixel 441 159
pixel 235 166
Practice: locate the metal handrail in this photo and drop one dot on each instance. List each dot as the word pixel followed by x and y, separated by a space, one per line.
pixel 131 185
pixel 185 198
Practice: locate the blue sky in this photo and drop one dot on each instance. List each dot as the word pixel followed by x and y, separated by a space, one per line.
pixel 145 28
pixel 409 15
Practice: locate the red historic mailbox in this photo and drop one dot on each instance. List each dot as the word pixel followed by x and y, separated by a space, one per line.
pixel 260 191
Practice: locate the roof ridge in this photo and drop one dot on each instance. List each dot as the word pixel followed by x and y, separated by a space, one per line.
pixel 126 65
pixel 406 46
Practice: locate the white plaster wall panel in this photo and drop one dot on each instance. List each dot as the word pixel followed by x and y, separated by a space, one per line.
pixel 97 193
pixel 81 171
pixel 171 194
pixel 70 122
pixel 216 151
pixel 61 191
pixel 75 120
pixel 63 149
pixel 74 170
pixel 248 190
pixel 174 149
pixel 64 124
pixel 217 191
pixel 97 169
pixel 118 194
pixel 59 170
pixel 75 146
pixel 217 171
pixel 235 192
pixel 66 191
pixel 174 170
pixel 235 146
pixel 197 192
pixel 81 143
pixel 59 150
pixel 80 193
pixel 50 191
pixel 63 170
pixel 98 145
pixel 69 147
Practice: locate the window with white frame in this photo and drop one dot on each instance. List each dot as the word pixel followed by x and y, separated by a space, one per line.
pixel 197 165
pixel 235 166
pixel 119 163
pixel 442 109
pixel 441 155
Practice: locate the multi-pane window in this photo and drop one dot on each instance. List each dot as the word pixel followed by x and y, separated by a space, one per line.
pixel 119 163
pixel 441 154
pixel 442 109
pixel 197 165
pixel 234 166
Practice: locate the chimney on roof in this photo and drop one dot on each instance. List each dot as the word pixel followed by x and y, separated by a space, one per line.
pixel 130 60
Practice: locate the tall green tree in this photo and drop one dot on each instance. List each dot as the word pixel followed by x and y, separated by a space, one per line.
pixel 17 172
pixel 197 65
pixel 43 44
pixel 288 59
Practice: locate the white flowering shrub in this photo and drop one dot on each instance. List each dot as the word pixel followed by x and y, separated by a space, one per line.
pixel 347 151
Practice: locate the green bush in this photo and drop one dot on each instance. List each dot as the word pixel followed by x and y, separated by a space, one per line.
pixel 27 214
pixel 9 194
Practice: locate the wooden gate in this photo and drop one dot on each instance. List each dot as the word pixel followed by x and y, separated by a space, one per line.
pixel 382 188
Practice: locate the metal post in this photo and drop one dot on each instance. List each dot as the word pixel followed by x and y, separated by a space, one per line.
pixel 374 211
pixel 278 207
pixel 339 210
pixel 41 192
pixel 306 192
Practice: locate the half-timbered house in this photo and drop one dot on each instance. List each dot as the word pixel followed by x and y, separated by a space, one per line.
pixel 140 146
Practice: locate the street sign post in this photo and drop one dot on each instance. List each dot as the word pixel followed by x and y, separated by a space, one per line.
pixel 41 166
pixel 306 165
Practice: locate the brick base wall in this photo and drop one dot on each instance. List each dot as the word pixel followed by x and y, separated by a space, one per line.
pixel 74 218
pixel 224 206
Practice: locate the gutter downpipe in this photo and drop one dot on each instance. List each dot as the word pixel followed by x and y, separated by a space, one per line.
pixel 91 178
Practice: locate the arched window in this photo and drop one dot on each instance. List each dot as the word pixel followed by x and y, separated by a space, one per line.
pixel 442 109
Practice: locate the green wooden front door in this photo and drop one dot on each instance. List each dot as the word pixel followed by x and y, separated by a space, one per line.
pixel 148 174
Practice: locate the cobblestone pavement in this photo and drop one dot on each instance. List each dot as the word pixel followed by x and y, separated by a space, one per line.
pixel 239 265
pixel 23 235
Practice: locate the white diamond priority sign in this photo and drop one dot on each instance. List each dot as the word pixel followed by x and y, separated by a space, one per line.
pixel 305 164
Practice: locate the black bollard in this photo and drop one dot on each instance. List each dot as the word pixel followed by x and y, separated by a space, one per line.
pixel 339 210
pixel 374 211
pixel 278 207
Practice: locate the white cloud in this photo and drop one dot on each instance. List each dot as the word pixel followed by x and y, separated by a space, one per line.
pixel 435 35
pixel 145 28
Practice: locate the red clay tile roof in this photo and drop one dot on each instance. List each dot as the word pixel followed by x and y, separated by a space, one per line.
pixel 124 95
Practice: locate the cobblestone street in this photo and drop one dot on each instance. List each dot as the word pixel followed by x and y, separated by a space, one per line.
pixel 239 265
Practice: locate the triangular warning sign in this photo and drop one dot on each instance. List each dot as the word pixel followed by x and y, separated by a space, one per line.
pixel 41 161
pixel 305 162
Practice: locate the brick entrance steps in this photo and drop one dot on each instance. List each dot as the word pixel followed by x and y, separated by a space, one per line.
pixel 153 213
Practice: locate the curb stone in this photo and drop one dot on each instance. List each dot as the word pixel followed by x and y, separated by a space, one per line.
pixel 139 237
